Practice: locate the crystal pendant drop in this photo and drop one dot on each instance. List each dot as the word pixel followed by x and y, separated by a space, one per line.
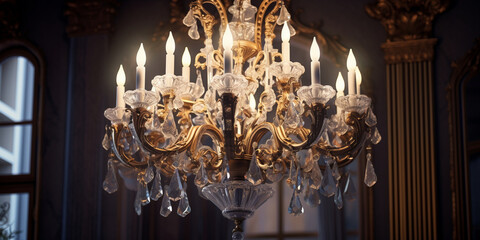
pixel 328 185
pixel 254 174
pixel 110 183
pixel 157 191
pixel 335 171
pixel 376 137
pixel 295 207
pixel 166 207
pixel 370 176
pixel 201 179
pixel 350 191
pixel 193 32
pixel 177 103
pixel 137 204
pixel 371 119
pixel 142 193
pixel 169 128
pixel 183 206
pixel 148 175
pixel 189 19
pixel 175 187
pixel 316 176
pixel 106 142
pixel 312 197
pixel 338 199
pixel 283 16
pixel 199 89
pixel 292 29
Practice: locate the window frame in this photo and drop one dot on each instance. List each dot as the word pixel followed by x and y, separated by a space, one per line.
pixel 27 183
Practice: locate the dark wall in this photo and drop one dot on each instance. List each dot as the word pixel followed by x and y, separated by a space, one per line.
pixel 80 85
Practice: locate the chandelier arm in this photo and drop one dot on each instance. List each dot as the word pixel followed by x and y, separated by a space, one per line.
pixel 355 139
pixel 213 132
pixel 318 113
pixel 140 116
pixel 256 134
pixel 270 22
pixel 122 156
pixel 207 19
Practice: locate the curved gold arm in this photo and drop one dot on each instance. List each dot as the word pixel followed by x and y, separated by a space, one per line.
pixel 124 158
pixel 270 22
pixel 353 139
pixel 207 19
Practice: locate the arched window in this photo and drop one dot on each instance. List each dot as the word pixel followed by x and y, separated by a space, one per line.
pixel 20 94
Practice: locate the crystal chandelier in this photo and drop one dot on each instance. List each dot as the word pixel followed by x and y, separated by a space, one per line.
pixel 231 144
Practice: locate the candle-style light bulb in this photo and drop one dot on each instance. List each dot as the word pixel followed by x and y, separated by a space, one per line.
pixel 315 65
pixel 351 62
pixel 314 50
pixel 170 46
pixel 120 88
pixel 121 76
pixel 340 85
pixel 141 57
pixel 285 33
pixel 252 102
pixel 227 40
pixel 358 78
pixel 227 43
pixel 186 58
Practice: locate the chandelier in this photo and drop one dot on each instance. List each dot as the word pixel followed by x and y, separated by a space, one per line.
pixel 234 147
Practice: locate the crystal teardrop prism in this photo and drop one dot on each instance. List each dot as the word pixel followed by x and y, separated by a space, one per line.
pixel 169 128
pixel 316 176
pixel 157 191
pixel 193 32
pixel 338 199
pixel 142 193
pixel 283 16
pixel 254 174
pixel 137 204
pixel 335 171
pixel 292 29
pixel 189 19
pixel 148 175
pixel 106 142
pixel 199 88
pixel 328 185
pixel 376 137
pixel 295 207
pixel 370 176
pixel 312 197
pixel 201 179
pixel 175 187
pixel 350 192
pixel 166 207
pixel 371 119
pixel 110 184
pixel 183 206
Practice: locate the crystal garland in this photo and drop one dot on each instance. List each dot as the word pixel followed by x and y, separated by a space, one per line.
pixel 309 171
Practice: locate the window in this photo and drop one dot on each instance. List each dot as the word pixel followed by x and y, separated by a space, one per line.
pixel 19 121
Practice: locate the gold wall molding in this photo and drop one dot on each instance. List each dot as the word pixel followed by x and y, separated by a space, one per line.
pixel 409 51
pixel 462 71
pixel 406 19
pixel 409 57
pixel 90 17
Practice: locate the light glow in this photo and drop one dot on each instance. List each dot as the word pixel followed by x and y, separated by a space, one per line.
pixel 315 50
pixel 141 57
pixel 285 33
pixel 170 46
pixel 340 84
pixel 121 76
pixel 227 40
pixel 186 58
pixel 351 62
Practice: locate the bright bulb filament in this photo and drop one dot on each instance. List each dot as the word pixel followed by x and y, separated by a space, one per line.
pixel 121 76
